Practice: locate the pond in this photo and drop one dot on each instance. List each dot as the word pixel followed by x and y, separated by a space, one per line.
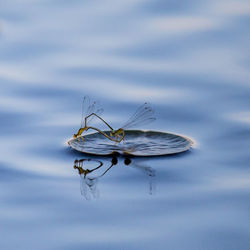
pixel 189 60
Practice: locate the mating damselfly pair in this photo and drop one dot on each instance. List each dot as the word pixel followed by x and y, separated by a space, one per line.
pixel 90 110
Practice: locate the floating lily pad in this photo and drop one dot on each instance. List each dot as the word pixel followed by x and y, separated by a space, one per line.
pixel 136 143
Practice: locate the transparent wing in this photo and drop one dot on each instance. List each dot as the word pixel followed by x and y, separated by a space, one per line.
pixel 85 191
pixel 85 107
pixel 88 187
pixel 143 115
pixel 98 112
pixel 88 108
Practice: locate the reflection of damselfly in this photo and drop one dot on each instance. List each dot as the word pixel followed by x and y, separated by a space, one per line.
pixel 92 169
pixel 88 183
pixel 142 116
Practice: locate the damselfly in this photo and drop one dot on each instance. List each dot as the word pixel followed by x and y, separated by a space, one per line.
pixel 143 115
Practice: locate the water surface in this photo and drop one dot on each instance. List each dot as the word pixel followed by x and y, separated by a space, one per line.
pixel 190 60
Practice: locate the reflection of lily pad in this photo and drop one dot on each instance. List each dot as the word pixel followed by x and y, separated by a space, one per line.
pixel 136 142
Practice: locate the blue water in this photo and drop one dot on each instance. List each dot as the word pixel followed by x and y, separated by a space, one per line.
pixel 189 59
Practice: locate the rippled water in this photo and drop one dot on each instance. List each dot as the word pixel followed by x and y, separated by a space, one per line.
pixel 190 59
